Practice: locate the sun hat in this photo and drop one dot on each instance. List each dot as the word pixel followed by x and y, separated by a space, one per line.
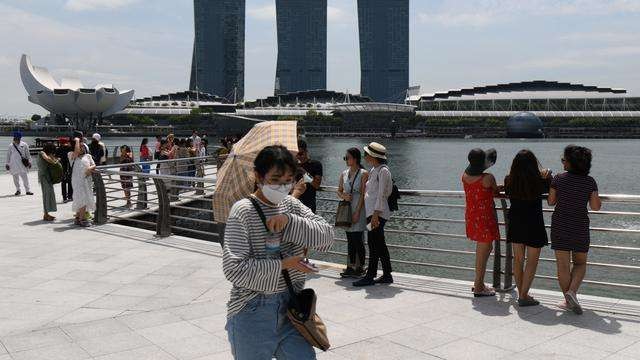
pixel 376 150
pixel 480 160
pixel 97 136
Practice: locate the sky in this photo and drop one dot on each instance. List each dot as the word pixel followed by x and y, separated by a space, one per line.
pixel 146 44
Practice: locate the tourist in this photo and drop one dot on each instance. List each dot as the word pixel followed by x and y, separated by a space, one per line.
pixel 253 261
pixel 61 153
pixel 525 185
pixel 480 213
pixel 126 181
pixel 377 191
pixel 309 179
pixel 164 167
pixel 195 139
pixel 145 155
pixel 351 188
pixel 19 163
pixel 82 166
pixel 105 152
pixel 95 149
pixel 570 192
pixel 46 157
pixel 193 152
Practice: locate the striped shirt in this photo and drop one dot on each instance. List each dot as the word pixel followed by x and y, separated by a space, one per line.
pixel 246 263
pixel 570 219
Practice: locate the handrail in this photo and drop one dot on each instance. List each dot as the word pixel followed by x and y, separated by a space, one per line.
pixel 155 162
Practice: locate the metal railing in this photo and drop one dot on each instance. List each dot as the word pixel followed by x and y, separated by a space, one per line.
pixel 180 202
pixel 169 197
pixel 502 271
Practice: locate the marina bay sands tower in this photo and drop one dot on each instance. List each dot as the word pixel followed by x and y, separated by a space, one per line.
pixel 302 45
pixel 384 49
pixel 217 65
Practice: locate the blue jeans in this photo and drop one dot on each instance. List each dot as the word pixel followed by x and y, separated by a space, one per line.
pixel 261 330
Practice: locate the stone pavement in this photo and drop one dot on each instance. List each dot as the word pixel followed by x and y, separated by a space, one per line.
pixel 112 292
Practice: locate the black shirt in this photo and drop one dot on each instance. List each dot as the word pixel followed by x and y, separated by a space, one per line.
pixel 308 198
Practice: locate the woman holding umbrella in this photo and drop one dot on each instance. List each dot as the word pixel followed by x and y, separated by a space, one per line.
pixel 254 259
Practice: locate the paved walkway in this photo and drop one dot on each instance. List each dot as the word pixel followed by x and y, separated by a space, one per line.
pixel 111 292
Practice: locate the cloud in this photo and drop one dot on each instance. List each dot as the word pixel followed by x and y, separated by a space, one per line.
pixel 264 12
pixel 480 13
pixel 91 5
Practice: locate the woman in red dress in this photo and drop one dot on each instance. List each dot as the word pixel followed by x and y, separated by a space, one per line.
pixel 480 214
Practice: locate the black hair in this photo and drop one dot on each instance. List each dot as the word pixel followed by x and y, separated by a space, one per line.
pixel 144 141
pixel 276 156
pixel 579 159
pixel 524 179
pixel 49 148
pixel 357 155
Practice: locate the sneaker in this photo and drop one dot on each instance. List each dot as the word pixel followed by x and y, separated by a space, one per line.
pixel 29 193
pixel 347 273
pixel 384 279
pixel 64 201
pixel 17 193
pixel 572 300
pixel 366 281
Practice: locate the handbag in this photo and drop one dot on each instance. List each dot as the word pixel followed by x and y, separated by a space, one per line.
pixel 344 216
pixel 25 161
pixel 301 310
pixel 55 172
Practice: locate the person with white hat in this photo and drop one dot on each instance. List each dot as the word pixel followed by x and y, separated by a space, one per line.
pixel 102 160
pixel 378 189
pixel 19 162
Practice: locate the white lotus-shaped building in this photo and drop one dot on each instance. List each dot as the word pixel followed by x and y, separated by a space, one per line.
pixel 70 97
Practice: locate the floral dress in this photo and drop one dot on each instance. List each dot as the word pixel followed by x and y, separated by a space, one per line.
pixel 480 213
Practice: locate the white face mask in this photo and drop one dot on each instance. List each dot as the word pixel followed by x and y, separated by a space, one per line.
pixel 276 193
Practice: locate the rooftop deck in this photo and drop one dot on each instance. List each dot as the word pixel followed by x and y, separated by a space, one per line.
pixel 113 292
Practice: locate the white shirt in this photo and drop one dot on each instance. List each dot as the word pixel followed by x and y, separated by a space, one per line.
pixel 195 139
pixel 14 157
pixel 378 188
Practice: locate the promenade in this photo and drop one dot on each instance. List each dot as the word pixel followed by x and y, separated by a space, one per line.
pixel 112 292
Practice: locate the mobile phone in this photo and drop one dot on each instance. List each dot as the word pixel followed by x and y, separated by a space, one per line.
pixel 307 178
pixel 309 265
pixel 369 227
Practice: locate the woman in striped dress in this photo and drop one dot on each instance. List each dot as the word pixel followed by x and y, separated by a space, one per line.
pixel 570 192
pixel 253 260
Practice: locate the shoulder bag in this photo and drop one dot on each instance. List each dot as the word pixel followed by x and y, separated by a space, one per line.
pixel 344 216
pixel 302 305
pixel 25 161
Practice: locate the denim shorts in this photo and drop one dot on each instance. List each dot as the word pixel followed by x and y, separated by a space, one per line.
pixel 261 330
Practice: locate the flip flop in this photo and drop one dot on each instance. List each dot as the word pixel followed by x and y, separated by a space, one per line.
pixel 484 293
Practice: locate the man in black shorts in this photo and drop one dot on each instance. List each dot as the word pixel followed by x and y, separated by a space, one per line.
pixel 309 177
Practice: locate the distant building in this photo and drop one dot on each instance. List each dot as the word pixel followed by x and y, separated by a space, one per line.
pixel 384 49
pixel 217 65
pixel 302 45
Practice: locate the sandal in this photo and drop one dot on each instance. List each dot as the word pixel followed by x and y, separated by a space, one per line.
pixel 528 302
pixel 487 291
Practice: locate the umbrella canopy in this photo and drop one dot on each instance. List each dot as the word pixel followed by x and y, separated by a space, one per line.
pixel 235 179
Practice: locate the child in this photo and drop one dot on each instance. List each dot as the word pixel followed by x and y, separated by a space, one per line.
pixel 524 186
pixel 480 214
pixel 570 192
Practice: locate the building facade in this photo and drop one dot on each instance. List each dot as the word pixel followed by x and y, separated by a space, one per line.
pixel 302 45
pixel 217 65
pixel 384 49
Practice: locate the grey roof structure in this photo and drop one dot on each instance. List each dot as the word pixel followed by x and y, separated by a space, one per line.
pixel 535 85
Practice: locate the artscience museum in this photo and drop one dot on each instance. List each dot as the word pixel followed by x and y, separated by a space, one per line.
pixel 70 99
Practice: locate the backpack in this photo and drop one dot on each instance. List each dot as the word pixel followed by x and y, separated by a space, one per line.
pixel 393 198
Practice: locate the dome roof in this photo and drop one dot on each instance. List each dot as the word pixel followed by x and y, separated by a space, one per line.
pixel 524 124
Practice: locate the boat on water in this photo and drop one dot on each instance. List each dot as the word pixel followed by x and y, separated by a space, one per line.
pixel 40 142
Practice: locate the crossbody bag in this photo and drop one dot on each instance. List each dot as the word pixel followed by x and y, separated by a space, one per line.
pixel 301 309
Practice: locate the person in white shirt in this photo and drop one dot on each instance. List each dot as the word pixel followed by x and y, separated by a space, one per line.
pixel 195 139
pixel 377 191
pixel 19 162
pixel 105 153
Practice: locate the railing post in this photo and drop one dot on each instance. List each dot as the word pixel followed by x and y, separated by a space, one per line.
pixel 508 261
pixel 497 262
pixel 141 202
pixel 100 214
pixel 163 223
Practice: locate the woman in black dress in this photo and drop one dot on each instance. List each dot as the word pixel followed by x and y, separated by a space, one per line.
pixel 570 192
pixel 524 186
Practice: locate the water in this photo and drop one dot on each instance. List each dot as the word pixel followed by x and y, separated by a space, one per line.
pixel 437 164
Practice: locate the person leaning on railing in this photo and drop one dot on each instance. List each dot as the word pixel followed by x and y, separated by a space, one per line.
pixel 253 260
pixel 570 192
